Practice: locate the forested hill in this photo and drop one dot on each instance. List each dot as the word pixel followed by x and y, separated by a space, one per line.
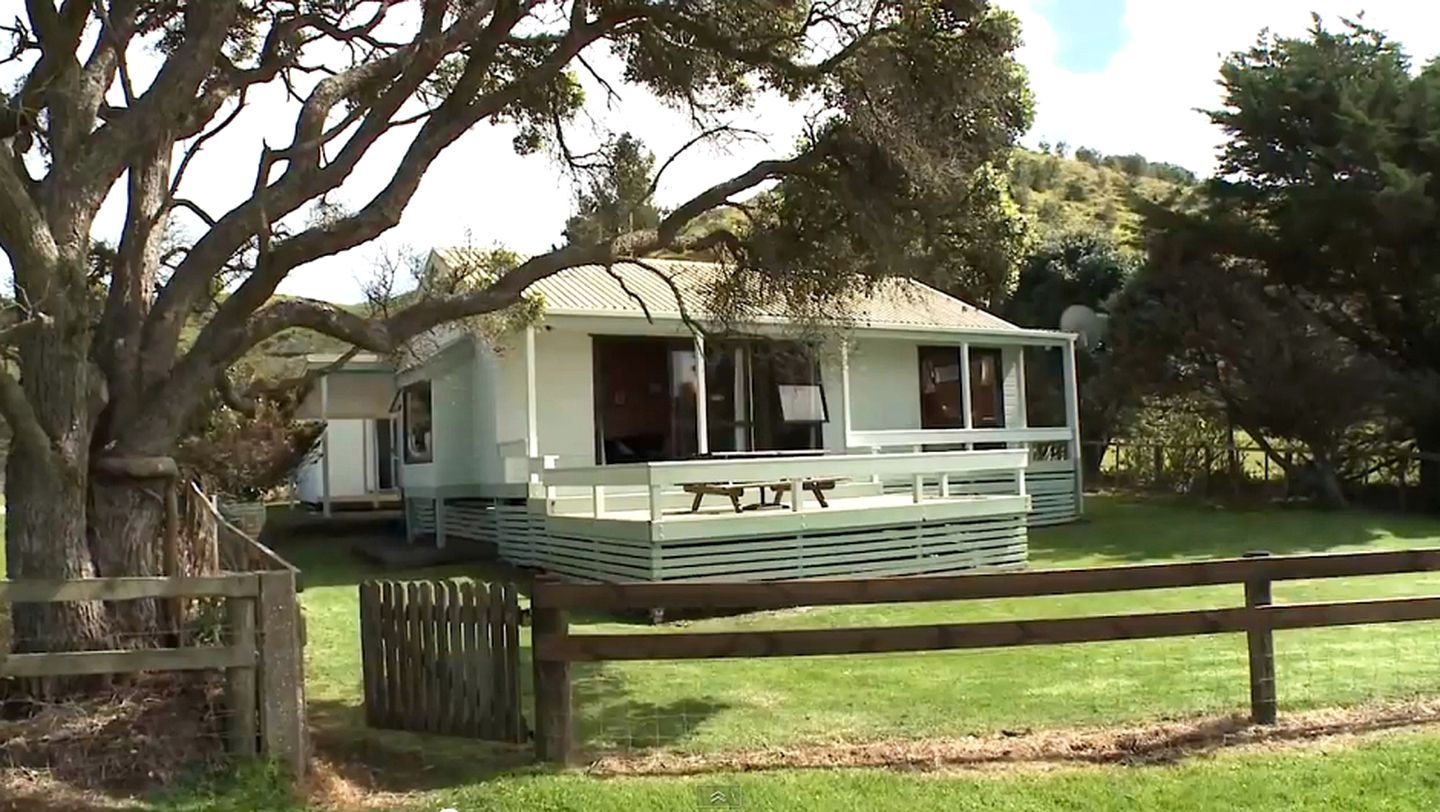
pixel 1088 191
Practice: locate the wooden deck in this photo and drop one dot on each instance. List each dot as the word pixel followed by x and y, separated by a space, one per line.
pixel 889 514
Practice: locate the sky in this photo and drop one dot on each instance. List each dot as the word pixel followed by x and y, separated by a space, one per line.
pixel 1119 76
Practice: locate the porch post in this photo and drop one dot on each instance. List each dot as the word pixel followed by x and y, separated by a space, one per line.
pixel 702 420
pixel 532 423
pixel 1072 419
pixel 1022 409
pixel 845 390
pixel 325 445
pixel 965 385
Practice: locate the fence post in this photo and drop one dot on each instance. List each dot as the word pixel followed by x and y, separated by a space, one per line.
pixel 554 729
pixel 240 681
pixel 1260 640
pixel 282 716
pixel 1209 466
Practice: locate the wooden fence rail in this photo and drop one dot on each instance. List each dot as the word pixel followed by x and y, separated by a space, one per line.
pixel 260 656
pixel 555 648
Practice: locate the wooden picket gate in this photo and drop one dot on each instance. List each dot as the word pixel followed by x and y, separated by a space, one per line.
pixel 442 657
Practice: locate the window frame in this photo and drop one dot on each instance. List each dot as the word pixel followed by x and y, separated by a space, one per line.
pixel 965 362
pixel 412 454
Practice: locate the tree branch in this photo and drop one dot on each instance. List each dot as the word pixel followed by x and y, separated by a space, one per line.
pixel 16 409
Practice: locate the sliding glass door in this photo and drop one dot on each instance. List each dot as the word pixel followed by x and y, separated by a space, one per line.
pixel 644 399
pixel 760 396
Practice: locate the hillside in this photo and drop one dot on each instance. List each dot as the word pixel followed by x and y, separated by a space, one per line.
pixel 1091 190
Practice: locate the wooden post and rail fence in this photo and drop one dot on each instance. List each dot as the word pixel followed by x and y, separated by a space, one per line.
pixel 555 648
pixel 260 656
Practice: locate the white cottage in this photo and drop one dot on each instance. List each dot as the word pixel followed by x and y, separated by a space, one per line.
pixel 355 463
pixel 923 435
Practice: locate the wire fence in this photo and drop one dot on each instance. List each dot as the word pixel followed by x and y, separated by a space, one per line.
pixel 124 733
pixel 1390 481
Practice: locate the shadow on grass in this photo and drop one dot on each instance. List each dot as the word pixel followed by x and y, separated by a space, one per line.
pixel 1136 529
pixel 606 720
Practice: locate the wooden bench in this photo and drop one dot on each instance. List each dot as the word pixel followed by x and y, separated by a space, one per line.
pixel 734 490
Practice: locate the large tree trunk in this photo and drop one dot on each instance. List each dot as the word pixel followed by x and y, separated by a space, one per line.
pixel 45 538
pixel 126 525
pixel 45 491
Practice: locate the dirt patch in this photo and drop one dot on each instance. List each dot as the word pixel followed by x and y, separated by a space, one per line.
pixel 327 786
pixel 144 734
pixel 1153 743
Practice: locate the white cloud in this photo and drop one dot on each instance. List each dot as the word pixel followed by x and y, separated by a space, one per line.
pixel 1146 98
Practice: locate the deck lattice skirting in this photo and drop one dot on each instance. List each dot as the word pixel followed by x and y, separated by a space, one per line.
pixel 524 535
pixel 420 516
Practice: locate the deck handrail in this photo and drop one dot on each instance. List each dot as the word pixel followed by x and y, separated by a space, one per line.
pixel 685 472
pixel 656 477
pixel 890 438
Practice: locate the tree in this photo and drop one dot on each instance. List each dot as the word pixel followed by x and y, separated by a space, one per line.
pixel 1326 182
pixel 109 363
pixel 619 197
pixel 1080 268
pixel 1212 330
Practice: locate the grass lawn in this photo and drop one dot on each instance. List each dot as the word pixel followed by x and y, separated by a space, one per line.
pixel 1397 773
pixel 728 705
pixel 715 706
pixel 731 704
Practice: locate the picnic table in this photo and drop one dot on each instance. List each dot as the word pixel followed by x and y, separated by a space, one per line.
pixel 735 490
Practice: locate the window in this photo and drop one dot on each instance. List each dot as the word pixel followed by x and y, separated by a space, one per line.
pixel 942 401
pixel 760 395
pixel 787 397
pixel 644 399
pixel 419 425
pixel 987 398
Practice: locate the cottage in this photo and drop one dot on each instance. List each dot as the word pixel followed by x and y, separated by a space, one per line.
pixel 611 442
pixel 354 464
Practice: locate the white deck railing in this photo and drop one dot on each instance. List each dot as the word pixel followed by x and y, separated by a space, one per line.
pixel 657 477
pixel 919 438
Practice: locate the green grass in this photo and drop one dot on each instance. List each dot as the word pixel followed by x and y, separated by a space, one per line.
pixel 724 705
pixel 1398 774
pixel 1391 774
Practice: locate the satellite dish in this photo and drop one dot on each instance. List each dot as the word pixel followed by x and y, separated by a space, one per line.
pixel 1086 323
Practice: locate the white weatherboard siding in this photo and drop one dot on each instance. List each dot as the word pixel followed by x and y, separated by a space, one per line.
pixel 566 396
pixel 884 385
pixel 509 403
pixel 832 433
pixel 347 464
pixel 452 404
pixel 489 465
pixel 1011 387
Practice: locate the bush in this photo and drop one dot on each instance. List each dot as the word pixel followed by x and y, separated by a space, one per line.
pixel 246 456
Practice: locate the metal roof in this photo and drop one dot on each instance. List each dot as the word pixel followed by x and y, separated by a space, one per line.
pixel 594 290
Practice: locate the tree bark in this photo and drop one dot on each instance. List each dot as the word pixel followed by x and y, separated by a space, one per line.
pixel 126 523
pixel 45 538
pixel 45 492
